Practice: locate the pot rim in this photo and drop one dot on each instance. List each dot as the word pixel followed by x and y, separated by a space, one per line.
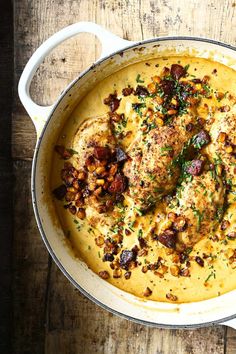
pixel 33 183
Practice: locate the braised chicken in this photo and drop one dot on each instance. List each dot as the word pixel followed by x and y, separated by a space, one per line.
pixel 150 169
pixel 198 207
pixel 93 132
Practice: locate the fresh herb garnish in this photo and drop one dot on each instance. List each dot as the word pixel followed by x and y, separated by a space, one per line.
pixel 72 151
pixel 198 215
pixel 140 233
pixel 138 79
pixel 166 148
pixel 212 274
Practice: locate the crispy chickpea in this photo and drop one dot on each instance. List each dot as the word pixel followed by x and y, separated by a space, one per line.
pixel 99 241
pixel 175 270
pixel 81 213
pixel 103 274
pixel 222 137
pixel 147 292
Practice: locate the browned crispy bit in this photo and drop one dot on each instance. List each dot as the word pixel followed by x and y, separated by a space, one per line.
pixel 195 167
pixel 102 152
pixel 144 269
pixel 205 79
pixel 184 272
pixel 199 261
pixel 142 242
pixel 89 161
pixel 219 95
pixel 127 91
pixel 109 204
pixel 225 108
pixel 183 257
pixel 64 152
pixel 60 192
pixel 171 297
pixel 81 213
pixel 117 273
pixel 141 91
pixel 224 225
pixel 189 127
pixel 72 209
pixel 165 71
pixel 168 238
pixel 103 274
pixel 127 275
pixel 79 202
pixel 99 241
pixel 167 86
pixel 126 257
pixel 231 235
pixel 112 101
pixel 143 252
pixel 147 292
pixel 108 257
pixel 115 117
pixel 118 185
pixel 180 223
pixel 177 71
pixel 127 232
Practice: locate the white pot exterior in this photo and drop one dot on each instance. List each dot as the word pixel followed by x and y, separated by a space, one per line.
pixel 196 314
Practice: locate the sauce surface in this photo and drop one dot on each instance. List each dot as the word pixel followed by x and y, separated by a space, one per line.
pixel 161 223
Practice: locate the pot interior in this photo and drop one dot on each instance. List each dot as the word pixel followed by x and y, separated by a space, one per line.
pixel 108 296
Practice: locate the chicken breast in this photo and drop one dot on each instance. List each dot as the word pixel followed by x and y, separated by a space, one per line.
pixel 223 146
pixel 199 207
pixel 94 131
pixel 150 169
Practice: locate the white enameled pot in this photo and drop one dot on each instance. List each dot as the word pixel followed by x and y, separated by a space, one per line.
pixel 116 53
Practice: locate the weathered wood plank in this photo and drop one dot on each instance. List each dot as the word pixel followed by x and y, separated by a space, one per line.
pixel 30 269
pixel 230 344
pixel 79 326
pixel 6 84
pixel 58 69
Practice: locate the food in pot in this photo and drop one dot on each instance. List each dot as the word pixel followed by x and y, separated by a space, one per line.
pixel 143 179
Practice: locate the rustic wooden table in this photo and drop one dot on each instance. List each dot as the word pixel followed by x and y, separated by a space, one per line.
pixel 50 315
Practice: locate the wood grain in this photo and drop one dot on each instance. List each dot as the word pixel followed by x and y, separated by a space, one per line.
pixel 6 83
pixel 50 315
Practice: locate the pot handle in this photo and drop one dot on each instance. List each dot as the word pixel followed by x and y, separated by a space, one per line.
pixel 109 41
pixel 230 323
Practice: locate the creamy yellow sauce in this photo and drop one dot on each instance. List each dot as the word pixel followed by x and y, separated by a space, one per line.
pixel 217 276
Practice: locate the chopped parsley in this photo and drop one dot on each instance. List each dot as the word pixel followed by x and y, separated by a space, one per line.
pixel 198 215
pixel 212 274
pixel 166 148
pixel 140 233
pixel 138 79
